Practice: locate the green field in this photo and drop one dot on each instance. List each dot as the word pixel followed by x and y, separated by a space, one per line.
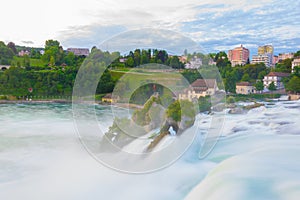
pixel 33 62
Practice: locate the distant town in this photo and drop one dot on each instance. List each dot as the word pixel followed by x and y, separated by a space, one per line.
pixel 50 72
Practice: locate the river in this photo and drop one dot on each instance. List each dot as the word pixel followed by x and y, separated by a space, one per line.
pixel 42 158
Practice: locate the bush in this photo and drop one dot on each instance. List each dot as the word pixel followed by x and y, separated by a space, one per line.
pixel 230 99
pixel 3 97
pixel 204 104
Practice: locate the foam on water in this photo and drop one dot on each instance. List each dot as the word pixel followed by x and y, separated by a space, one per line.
pixel 41 157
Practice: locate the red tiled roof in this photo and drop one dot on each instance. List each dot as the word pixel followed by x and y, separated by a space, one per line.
pixel 204 83
pixel 279 74
pixel 244 84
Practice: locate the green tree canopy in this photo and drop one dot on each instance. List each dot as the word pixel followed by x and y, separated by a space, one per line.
pixel 272 86
pixel 53 53
pixel 12 46
pixel 246 77
pixel 259 86
pixel 293 85
pixel 6 54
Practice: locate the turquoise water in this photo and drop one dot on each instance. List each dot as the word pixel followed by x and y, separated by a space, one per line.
pixel 41 157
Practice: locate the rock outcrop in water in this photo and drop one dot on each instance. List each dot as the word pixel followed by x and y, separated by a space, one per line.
pixel 180 115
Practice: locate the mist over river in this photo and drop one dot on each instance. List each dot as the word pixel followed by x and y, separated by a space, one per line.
pixel 42 158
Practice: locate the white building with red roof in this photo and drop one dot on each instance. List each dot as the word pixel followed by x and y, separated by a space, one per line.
pixel 275 77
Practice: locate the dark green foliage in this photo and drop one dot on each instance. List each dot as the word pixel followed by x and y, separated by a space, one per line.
pixel 230 81
pixel 174 111
pixel 297 54
pixel 293 85
pixel 284 66
pixel 272 86
pixel 175 63
pixel 178 109
pixel 12 46
pixel 54 53
pixel 140 57
pixel 6 54
pixel 204 104
pixel 259 86
pixel 191 75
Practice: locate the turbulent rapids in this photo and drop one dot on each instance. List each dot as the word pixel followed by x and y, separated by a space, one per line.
pixel 41 157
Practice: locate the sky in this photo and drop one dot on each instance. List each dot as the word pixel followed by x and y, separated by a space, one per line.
pixel 215 25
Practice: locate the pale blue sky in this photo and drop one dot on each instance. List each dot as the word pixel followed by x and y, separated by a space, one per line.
pixel 214 24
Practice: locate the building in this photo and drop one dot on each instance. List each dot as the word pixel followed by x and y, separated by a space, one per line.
pixel 24 52
pixel 194 63
pixel 283 56
pixel 266 49
pixel 123 60
pixel 275 60
pixel 238 56
pixel 264 55
pixel 199 88
pixel 79 51
pixel 183 59
pixel 295 63
pixel 266 58
pixel 245 88
pixel 275 77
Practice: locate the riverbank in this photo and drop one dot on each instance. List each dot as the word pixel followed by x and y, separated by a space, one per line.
pixel 34 101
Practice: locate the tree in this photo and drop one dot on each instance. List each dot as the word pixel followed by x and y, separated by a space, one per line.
pixel 70 59
pixel 272 86
pixel 53 49
pixel 284 66
pixel 293 85
pixel 230 82
pixel 222 60
pixel 6 54
pixel 297 71
pixel 161 57
pixel 246 77
pixel 261 75
pixel 204 104
pixel 129 62
pixel 137 57
pixel 145 58
pixel 12 46
pixel 52 61
pixel 175 63
pixel 297 54
pixel 259 86
pixel 174 111
pixel 26 62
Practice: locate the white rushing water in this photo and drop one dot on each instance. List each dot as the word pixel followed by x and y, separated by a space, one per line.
pixel 257 157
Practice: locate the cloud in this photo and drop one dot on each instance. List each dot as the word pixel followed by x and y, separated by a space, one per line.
pixel 171 41
pixel 88 36
pixel 212 24
pixel 27 42
pixel 221 26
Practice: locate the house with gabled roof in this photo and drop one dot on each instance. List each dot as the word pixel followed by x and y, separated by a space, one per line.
pixel 275 77
pixel 245 88
pixel 199 88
